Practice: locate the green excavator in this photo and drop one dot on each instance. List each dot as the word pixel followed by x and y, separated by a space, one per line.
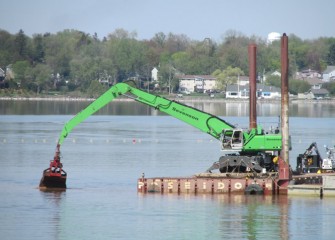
pixel 251 150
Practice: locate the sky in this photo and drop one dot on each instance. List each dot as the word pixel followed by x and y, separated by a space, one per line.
pixel 197 19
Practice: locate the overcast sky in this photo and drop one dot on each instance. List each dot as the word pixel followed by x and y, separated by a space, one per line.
pixel 198 19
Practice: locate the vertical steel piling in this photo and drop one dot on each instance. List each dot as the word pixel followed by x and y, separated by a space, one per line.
pixel 252 86
pixel 284 165
pixel 284 99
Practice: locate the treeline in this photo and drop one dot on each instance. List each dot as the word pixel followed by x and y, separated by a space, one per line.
pixel 73 60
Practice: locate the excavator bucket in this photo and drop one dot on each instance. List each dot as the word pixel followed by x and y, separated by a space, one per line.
pixel 51 179
pixel 54 177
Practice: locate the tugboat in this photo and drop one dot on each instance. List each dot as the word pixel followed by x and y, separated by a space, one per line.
pixel 54 177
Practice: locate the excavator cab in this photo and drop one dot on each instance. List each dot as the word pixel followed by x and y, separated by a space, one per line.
pixel 232 140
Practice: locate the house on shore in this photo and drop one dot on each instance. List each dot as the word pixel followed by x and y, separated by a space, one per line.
pixel 315 83
pixel 316 91
pixel 262 91
pixel 197 83
pixel 307 74
pixel 314 94
pixel 329 74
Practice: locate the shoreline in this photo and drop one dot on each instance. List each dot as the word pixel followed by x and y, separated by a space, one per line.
pixel 177 99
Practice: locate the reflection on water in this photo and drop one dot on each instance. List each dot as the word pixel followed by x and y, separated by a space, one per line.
pixel 53 201
pixel 296 108
pixel 190 216
pixel 187 216
pixel 255 217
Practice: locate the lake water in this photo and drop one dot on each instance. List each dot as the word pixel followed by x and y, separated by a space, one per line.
pixel 105 155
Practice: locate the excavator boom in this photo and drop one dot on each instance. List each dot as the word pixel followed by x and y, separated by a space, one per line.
pixel 203 121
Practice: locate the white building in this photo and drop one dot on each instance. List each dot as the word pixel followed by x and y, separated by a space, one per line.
pixel 273 36
pixel 197 83
pixel 307 73
pixel 263 91
pixel 243 80
pixel 329 74
pixel 154 74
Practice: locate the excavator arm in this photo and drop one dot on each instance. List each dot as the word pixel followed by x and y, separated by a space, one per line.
pixel 114 92
pixel 203 121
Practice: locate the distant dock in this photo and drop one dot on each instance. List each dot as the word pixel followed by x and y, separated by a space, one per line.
pixel 318 185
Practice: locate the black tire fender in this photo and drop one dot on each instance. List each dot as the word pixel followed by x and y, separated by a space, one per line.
pixel 254 189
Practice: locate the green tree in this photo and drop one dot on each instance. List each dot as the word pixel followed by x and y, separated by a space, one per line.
pixel 95 89
pixel 273 80
pixel 7 49
pixel 202 59
pixel 127 54
pixel 295 86
pixel 268 57
pixel 83 40
pixel 155 48
pixel 181 60
pixel 297 52
pixel 330 86
pixel 298 86
pixel 316 54
pixel 226 76
pixel 21 45
pixel 159 39
pixel 38 49
pixel 41 77
pixel 80 58
pixel 176 43
pixel 83 71
pixel 21 71
pixel 234 51
pixel 60 49
pixel 167 78
pixel 331 55
pixel 90 62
